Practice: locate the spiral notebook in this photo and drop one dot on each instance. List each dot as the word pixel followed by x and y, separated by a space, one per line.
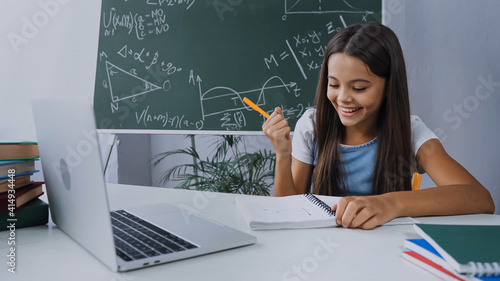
pixel 296 211
pixel 469 249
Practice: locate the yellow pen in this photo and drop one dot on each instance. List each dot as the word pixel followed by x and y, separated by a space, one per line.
pixel 415 182
pixel 255 107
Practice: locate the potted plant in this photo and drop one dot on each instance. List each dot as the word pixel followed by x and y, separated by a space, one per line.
pixel 229 168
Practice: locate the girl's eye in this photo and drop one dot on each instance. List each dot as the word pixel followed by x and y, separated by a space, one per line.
pixel 333 86
pixel 360 89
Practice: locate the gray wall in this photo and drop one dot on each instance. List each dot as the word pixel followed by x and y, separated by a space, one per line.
pixel 134 155
pixel 452 51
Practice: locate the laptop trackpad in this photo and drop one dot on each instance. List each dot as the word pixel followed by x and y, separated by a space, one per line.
pixel 154 209
pixel 197 230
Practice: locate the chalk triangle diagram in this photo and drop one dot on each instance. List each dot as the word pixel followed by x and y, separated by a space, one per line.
pixel 125 85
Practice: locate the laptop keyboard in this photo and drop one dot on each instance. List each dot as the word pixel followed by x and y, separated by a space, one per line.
pixel 137 239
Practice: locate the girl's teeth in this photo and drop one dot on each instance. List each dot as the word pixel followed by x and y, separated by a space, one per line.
pixel 349 110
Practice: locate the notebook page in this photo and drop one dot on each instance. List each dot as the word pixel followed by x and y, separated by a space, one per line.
pixel 280 209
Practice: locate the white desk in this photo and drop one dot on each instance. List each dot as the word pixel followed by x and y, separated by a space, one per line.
pixel 46 253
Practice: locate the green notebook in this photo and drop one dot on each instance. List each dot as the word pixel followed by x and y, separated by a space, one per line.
pixel 469 249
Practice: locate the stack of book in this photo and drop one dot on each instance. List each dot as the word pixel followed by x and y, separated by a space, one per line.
pixel 19 194
pixel 456 252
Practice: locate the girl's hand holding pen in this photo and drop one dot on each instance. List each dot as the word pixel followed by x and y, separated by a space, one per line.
pixel 277 130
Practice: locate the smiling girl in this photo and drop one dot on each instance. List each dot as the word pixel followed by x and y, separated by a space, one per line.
pixel 361 142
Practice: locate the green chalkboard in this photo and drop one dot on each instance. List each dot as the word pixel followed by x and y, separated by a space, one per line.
pixel 185 65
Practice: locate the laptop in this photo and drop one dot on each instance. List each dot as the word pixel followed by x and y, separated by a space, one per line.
pixel 121 239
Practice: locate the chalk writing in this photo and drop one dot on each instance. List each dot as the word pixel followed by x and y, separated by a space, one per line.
pixel 165 120
pixel 187 64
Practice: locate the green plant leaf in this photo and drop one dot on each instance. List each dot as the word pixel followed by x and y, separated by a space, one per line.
pixel 230 168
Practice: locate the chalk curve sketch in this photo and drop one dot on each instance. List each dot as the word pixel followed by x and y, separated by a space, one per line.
pixel 134 87
pixel 295 7
pixel 223 99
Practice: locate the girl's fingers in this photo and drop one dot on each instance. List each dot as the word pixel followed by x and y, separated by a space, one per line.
pixel 274 118
pixel 362 217
pixel 340 209
pixel 348 211
pixel 362 212
pixel 277 110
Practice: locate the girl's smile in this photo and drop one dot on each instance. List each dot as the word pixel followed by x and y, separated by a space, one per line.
pixel 349 112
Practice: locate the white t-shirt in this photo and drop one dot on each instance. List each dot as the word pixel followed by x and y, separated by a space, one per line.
pixel 303 137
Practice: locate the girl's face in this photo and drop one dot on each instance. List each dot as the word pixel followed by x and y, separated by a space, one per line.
pixel 355 92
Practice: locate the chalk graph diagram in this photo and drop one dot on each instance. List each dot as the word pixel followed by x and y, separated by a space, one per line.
pixel 124 84
pixel 294 7
pixel 223 99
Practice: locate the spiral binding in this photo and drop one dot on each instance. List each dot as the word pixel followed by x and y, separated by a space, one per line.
pixel 484 269
pixel 316 201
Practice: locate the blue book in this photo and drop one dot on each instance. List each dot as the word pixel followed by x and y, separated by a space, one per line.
pixel 18 166
pixel 422 247
pixel 2 162
pixel 21 174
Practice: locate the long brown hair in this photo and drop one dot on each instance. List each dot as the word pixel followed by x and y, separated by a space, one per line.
pixel 378 47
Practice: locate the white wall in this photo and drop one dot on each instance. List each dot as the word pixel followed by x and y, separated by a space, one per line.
pixel 452 49
pixel 53 54
pixel 48 48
